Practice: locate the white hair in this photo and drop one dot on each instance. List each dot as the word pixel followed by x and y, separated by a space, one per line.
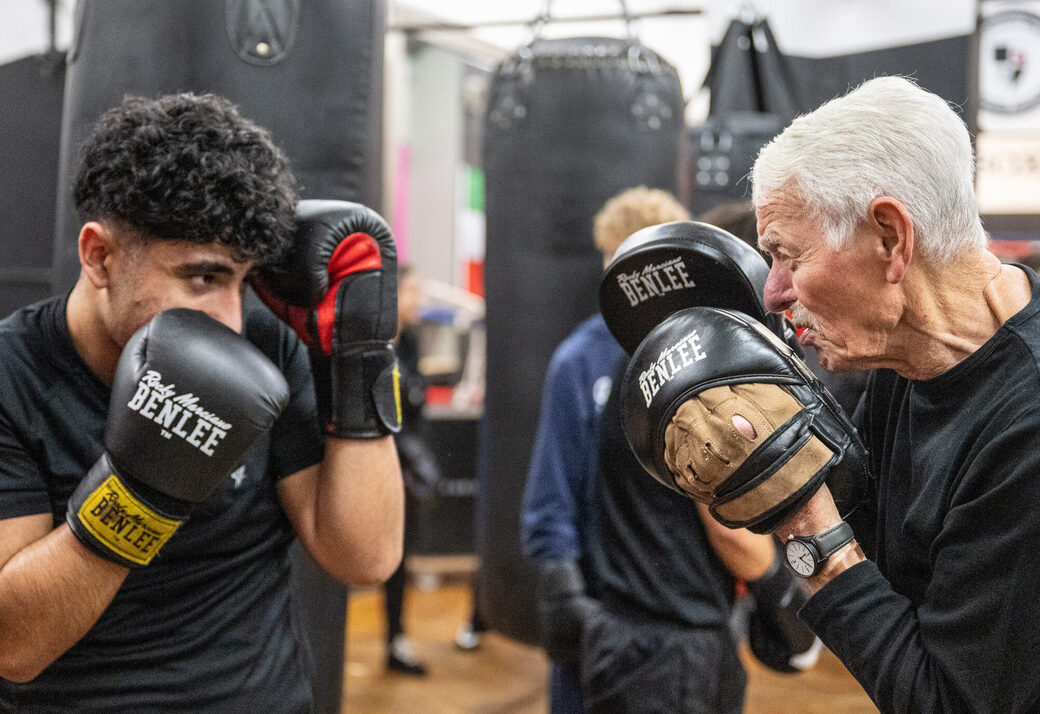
pixel 888 137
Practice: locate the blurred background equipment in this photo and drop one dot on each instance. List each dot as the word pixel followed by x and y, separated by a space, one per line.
pixel 570 123
pixel 451 362
pixel 32 87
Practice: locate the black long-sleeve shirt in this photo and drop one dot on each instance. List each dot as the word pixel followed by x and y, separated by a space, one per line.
pixel 945 617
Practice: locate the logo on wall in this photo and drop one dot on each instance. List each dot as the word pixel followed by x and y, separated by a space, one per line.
pixel 1009 62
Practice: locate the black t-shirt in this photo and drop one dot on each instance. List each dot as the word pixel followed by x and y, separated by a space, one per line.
pixel 946 615
pixel 208 625
pixel 649 554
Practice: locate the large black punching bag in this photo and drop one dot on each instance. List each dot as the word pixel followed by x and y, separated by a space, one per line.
pixel 311 73
pixel 570 123
pixel 31 119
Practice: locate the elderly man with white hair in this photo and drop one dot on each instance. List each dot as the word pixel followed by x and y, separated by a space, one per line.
pixel 867 207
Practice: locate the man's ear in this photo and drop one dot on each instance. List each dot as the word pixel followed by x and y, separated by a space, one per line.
pixel 96 246
pixel 896 230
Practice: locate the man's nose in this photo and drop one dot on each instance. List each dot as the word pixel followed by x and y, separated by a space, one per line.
pixel 226 307
pixel 778 294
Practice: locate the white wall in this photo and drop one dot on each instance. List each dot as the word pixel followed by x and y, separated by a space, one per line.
pixel 24 27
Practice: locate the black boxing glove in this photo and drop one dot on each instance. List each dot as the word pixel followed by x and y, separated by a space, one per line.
pixel 776 636
pixel 189 397
pixel 337 288
pixel 717 407
pixel 563 608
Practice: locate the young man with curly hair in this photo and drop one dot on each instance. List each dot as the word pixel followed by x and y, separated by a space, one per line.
pixel 181 199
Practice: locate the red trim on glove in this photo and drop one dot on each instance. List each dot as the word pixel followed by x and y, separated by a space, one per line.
pixel 797 330
pixel 356 252
pixel 295 317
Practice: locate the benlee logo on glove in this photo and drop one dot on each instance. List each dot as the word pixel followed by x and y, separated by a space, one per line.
pixel 671 361
pixel 128 527
pixel 178 414
pixel 655 280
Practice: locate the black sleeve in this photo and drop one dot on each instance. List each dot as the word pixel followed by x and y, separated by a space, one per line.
pixel 23 491
pixel 296 437
pixel 971 644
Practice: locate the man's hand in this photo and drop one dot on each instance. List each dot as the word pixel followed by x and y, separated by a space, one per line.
pixel 819 515
pixel 563 608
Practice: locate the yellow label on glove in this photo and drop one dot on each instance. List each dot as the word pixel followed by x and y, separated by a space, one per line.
pixel 125 525
pixel 397 393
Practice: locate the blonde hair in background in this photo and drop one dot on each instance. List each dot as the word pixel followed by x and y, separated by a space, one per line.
pixel 631 210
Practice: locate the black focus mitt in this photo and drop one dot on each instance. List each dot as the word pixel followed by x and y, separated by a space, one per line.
pixel 668 267
pixel 717 407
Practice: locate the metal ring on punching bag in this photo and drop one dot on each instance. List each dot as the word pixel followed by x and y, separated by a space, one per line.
pixel 262 32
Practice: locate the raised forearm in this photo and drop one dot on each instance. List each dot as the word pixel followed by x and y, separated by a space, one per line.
pixel 819 515
pixel 745 554
pixel 349 510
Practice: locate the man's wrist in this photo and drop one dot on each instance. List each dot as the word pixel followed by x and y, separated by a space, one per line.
pixel 843 559
pixel 817 516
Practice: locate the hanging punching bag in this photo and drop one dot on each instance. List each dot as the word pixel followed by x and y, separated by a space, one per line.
pixel 754 95
pixel 569 124
pixel 31 121
pixel 311 73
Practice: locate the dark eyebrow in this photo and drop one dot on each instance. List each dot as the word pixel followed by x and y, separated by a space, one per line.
pixel 203 267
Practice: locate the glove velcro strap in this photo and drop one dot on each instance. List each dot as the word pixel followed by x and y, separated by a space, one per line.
pixel 775 480
pixel 123 521
pixel 365 392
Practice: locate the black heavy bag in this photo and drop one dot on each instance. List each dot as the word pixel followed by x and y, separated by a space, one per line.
pixel 311 73
pixel 748 73
pixel 31 119
pixel 570 123
pixel 754 95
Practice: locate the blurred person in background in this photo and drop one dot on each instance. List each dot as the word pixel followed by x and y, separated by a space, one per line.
pixel 418 464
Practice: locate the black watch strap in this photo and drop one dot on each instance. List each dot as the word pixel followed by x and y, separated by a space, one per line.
pixel 829 542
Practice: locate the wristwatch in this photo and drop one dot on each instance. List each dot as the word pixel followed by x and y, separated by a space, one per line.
pixel 806 554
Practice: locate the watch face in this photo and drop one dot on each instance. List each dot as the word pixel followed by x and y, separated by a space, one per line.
pixel 800 558
pixel 1009 74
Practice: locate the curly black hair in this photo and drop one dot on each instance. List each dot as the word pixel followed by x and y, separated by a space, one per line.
pixel 188 167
